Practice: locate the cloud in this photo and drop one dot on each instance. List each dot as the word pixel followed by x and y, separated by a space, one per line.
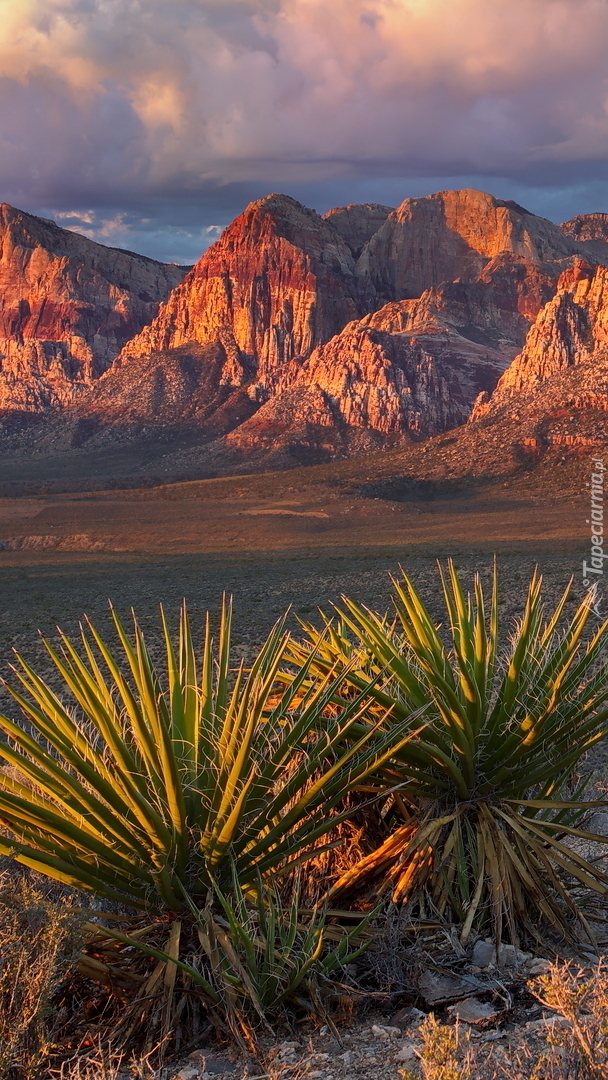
pixel 115 102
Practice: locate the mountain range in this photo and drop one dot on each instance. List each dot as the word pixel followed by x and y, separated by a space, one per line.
pixel 298 338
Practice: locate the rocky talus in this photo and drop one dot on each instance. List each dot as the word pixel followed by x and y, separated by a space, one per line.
pixel 67 306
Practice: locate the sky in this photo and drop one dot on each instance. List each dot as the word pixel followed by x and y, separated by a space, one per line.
pixel 150 124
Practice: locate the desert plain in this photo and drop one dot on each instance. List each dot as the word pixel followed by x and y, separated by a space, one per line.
pixel 298 538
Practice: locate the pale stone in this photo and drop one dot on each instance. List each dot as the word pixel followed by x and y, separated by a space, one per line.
pixel 406 1053
pixel 473 1011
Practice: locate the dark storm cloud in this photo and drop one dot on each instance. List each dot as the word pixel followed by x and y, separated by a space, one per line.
pixel 150 124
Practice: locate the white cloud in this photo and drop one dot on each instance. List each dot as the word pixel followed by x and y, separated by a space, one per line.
pixel 130 93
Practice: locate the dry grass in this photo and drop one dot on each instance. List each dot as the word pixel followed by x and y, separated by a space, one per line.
pixel 39 938
pixel 102 1065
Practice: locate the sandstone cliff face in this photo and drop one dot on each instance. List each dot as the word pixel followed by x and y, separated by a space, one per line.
pixel 357 223
pixel 569 331
pixel 401 383
pixel 280 279
pixel 496 310
pixel 382 377
pixel 277 346
pixel 586 227
pixel 67 306
pixel 591 232
pixel 414 367
pixel 452 235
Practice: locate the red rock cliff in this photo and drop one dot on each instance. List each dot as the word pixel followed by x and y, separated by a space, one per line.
pixel 569 332
pixel 67 306
pixel 452 235
pixel 280 278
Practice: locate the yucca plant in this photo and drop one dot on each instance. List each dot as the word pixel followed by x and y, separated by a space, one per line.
pixel 263 953
pixel 146 791
pixel 490 811
pixel 170 791
pixel 245 957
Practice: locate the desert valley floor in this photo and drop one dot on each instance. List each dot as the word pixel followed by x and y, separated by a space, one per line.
pixel 300 537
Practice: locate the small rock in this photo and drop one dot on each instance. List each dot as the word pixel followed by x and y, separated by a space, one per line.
pixel 539 1026
pixel 188 1074
pixel 538 966
pixel 535 1025
pixel 437 989
pixel 385 1032
pixel 214 1066
pixel 507 956
pixel 348 1057
pixel 316 1074
pixel 484 954
pixel 491 1036
pixel 406 1053
pixel 473 1011
pixel 321 1057
pixel 407 1017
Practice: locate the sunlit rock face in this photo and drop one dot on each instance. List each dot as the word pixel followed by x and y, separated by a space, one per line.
pixel 591 232
pixel 280 279
pixel 301 334
pixel 568 332
pixel 67 306
pixel 452 235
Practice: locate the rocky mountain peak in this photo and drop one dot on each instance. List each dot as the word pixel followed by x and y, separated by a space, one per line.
pixel 452 235
pixel 280 278
pixel 568 332
pixel 587 227
pixel 298 337
pixel 591 233
pixel 357 223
